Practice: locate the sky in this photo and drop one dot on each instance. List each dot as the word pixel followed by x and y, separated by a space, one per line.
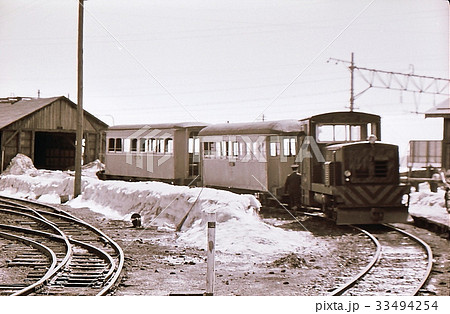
pixel 237 60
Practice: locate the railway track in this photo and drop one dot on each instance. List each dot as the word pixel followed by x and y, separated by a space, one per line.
pixel 55 253
pixel 400 265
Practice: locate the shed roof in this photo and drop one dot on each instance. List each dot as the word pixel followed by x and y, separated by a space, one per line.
pixel 266 127
pixel 13 109
pixel 440 110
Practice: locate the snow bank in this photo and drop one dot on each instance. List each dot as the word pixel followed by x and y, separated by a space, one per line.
pixel 427 198
pixel 173 208
pixel 429 204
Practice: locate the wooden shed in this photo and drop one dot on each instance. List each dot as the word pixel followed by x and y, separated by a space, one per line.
pixel 45 129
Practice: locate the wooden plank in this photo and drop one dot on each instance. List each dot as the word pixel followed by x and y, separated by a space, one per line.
pixel 10 138
pixel 33 143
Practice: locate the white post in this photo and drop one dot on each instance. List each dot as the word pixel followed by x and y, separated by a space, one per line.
pixel 210 253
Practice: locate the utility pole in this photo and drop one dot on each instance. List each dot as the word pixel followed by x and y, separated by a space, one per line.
pixel 352 97
pixel 79 135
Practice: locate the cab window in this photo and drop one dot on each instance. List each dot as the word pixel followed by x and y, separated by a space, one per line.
pixel 338 133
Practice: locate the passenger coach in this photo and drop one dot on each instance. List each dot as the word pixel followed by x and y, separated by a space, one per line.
pixel 161 152
pixel 249 157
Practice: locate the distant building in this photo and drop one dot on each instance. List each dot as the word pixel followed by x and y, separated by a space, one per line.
pixel 44 129
pixel 442 110
pixel 424 154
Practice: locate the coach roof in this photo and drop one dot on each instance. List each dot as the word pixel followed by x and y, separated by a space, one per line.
pixel 181 125
pixel 266 127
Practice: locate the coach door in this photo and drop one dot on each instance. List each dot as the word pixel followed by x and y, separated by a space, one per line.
pixel 194 155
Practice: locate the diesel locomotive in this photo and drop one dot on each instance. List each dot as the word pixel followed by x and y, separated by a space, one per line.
pixel 352 180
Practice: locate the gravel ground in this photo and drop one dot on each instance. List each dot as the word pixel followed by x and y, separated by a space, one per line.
pixel 157 265
pixel 15 274
pixel 439 281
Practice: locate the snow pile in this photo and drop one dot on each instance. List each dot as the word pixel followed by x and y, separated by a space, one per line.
pixel 173 208
pixel 427 198
pixel 92 168
pixel 21 164
pixel 429 204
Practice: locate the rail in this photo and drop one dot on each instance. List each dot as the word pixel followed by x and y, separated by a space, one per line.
pixel 51 217
pixel 429 258
pixel 365 270
pixel 42 248
pixel 346 286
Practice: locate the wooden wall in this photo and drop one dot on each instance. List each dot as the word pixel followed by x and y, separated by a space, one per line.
pixel 59 116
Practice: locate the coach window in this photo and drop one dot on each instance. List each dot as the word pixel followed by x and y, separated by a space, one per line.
pixel 248 149
pixel 275 146
pixel 209 149
pixel 289 146
pixel 206 149
pixel 242 151
pixel 134 144
pixel 115 145
pixel 118 144
pixel 112 145
pixel 152 145
pixel 168 146
pixel 259 151
pixel 235 149
pixel 142 146
pixel 216 150
pixel 224 149
pixel 193 145
pixel 160 145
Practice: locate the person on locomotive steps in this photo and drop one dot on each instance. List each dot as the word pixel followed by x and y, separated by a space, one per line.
pixel 292 187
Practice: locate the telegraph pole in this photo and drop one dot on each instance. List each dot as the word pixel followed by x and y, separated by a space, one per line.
pixel 79 135
pixel 352 96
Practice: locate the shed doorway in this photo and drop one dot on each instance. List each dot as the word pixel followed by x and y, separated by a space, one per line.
pixel 54 151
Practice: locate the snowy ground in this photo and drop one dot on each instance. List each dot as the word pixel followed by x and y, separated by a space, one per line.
pixel 240 230
pixel 428 204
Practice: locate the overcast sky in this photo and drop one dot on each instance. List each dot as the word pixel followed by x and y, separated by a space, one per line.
pixel 216 60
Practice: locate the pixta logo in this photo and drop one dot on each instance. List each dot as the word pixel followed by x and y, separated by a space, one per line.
pixel 148 148
pixel 309 145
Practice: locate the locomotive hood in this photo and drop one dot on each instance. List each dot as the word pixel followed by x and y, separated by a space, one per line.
pixel 343 145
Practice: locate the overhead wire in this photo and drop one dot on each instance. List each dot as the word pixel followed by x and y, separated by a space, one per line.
pixel 140 64
pixel 315 58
